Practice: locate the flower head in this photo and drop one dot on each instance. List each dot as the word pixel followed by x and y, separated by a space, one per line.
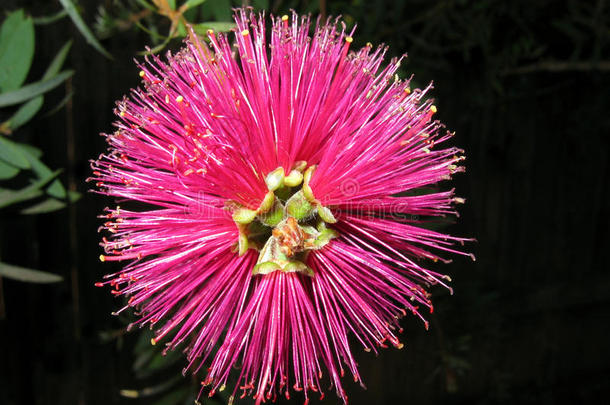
pixel 276 209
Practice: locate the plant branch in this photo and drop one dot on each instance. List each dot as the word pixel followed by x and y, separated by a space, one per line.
pixel 559 67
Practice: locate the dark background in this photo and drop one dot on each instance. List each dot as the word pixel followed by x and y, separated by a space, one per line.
pixel 525 84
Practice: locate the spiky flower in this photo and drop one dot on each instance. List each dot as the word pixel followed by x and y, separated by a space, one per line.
pixel 277 211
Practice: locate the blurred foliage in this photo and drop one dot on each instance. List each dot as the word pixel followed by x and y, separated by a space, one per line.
pixel 71 10
pixel 166 20
pixel 19 103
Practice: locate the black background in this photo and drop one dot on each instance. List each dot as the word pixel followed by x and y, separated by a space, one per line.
pixel 528 322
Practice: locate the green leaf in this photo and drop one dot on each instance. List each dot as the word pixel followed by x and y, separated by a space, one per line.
pixel 192 3
pixel 10 153
pixel 146 5
pixel 9 197
pixel 181 28
pixel 202 28
pixel 48 205
pixel 27 275
pixel 172 4
pixel 56 189
pixel 25 113
pixel 57 61
pixel 32 90
pixel 7 171
pixel 82 27
pixel 221 9
pixel 31 150
pixel 60 105
pixel 74 196
pixel 16 50
pixel 48 19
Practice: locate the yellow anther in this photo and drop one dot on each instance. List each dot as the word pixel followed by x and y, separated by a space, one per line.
pixel 102 258
pixel 129 393
pixel 245 33
pixel 122 113
pixel 433 109
pixel 349 40
pixel 284 17
pixel 153 341
pixel 142 73
pixel 408 90
pixel 179 99
pixel 210 32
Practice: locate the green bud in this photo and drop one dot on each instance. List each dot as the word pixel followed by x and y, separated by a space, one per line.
pixel 274 215
pixel 293 179
pixel 298 207
pixel 242 243
pixel 309 229
pixel 275 179
pixel 295 266
pixel 308 174
pixel 324 237
pixel 326 215
pixel 265 268
pixel 267 202
pixel 244 215
pixel 300 165
pixel 308 193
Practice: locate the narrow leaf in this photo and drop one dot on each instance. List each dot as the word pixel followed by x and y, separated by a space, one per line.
pixel 56 189
pixel 82 27
pixel 11 154
pixel 25 113
pixel 27 275
pixel 16 50
pixel 48 205
pixel 74 196
pixel 60 105
pixel 49 19
pixel 146 5
pixel 58 61
pixel 191 3
pixel 32 150
pixel 32 90
pixel 9 197
pixel 7 171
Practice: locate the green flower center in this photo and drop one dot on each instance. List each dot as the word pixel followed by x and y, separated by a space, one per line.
pixel 288 224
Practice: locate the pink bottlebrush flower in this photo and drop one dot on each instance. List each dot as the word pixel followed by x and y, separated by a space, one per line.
pixel 273 217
